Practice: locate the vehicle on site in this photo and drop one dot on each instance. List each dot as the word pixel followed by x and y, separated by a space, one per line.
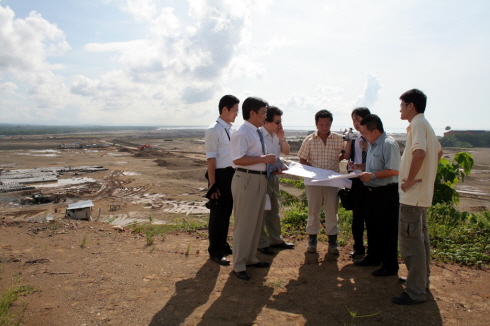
pixel 146 146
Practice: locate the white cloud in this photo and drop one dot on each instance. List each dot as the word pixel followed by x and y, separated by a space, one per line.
pixel 8 88
pixel 370 93
pixel 25 44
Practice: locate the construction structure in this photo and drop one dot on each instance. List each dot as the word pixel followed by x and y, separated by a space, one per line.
pixel 81 210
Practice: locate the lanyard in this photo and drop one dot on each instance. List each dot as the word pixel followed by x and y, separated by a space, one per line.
pixel 225 130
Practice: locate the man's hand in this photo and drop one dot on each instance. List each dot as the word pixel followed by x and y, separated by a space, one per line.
pixel 409 184
pixel 216 194
pixel 269 158
pixel 279 171
pixel 365 176
pixel 280 133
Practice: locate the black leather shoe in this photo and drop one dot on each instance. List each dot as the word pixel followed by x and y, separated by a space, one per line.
pixel 367 261
pixel 260 264
pixel 404 299
pixel 243 275
pixel 267 251
pixel 221 261
pixel 284 245
pixel 384 272
pixel 357 253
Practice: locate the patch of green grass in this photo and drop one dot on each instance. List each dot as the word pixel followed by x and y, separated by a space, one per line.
pixel 151 230
pixel 9 297
pixel 354 315
pixel 85 239
pixel 459 237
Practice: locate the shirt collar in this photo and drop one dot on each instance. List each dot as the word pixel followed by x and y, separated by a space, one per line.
pixel 266 133
pixel 380 139
pixel 223 123
pixel 329 135
pixel 417 117
pixel 249 125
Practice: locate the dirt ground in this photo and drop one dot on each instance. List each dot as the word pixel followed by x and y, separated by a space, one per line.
pixel 89 273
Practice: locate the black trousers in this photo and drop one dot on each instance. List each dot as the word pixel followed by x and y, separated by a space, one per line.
pixel 359 212
pixel 219 217
pixel 382 225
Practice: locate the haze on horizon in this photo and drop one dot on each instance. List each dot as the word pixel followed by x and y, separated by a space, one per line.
pixel 168 62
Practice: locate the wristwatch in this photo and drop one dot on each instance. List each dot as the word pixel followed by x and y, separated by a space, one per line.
pixel 373 176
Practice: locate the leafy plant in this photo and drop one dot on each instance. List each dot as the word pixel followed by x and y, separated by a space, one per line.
pixel 448 175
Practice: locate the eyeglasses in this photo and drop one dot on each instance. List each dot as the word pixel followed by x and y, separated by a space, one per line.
pixel 278 122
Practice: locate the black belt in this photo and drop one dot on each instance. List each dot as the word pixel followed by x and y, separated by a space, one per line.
pixel 251 171
pixel 389 185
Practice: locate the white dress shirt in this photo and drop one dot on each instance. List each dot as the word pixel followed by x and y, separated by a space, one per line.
pixel 246 142
pixel 217 143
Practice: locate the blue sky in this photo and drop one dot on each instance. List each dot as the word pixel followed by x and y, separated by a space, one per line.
pixel 152 62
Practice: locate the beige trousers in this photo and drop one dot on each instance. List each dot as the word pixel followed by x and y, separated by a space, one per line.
pixel 248 209
pixel 272 221
pixel 328 197
pixel 415 249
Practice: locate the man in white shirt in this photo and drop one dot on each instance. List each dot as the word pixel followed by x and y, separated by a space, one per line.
pixel 418 171
pixel 220 173
pixel 249 185
pixel 275 142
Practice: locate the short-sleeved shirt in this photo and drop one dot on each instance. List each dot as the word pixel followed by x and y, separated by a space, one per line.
pixel 217 143
pixel 246 142
pixel 383 154
pixel 420 135
pixel 271 142
pixel 320 155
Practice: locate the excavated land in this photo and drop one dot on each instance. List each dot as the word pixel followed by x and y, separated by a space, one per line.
pixel 100 273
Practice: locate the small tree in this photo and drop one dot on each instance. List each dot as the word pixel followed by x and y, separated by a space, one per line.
pixel 448 128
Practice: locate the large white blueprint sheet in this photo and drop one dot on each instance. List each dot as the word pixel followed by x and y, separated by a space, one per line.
pixel 320 177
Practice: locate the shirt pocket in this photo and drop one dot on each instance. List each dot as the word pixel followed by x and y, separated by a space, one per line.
pixel 377 163
pixel 410 222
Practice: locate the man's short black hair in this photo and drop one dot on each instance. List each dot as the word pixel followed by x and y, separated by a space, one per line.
pixel 372 122
pixel 227 101
pixel 323 114
pixel 272 111
pixel 252 104
pixel 417 97
pixel 361 112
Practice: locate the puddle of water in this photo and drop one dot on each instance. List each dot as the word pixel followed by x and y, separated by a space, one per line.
pixel 46 155
pixel 67 182
pixel 471 190
pixel 45 151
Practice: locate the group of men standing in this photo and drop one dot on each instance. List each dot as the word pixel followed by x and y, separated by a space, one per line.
pixel 391 193
pixel 251 154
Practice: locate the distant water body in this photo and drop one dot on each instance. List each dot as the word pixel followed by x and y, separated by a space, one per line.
pixel 438 131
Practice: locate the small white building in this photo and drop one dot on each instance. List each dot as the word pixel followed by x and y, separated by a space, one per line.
pixel 80 211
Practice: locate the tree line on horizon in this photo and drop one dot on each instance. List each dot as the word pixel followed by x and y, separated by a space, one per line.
pixel 464 140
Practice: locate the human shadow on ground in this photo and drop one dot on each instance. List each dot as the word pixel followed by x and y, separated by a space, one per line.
pixel 324 295
pixel 189 295
pixel 240 301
